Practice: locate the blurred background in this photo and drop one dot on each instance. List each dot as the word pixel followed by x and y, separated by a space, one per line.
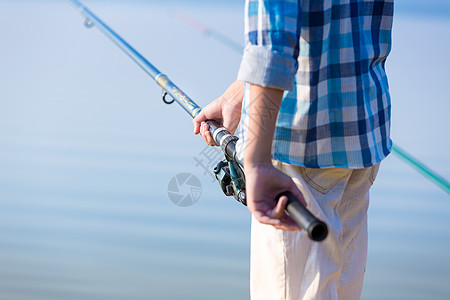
pixel 87 151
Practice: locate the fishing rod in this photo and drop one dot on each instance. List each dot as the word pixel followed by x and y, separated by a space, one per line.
pixel 396 150
pixel 228 172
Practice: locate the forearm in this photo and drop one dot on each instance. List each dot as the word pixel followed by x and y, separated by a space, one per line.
pixel 234 94
pixel 263 111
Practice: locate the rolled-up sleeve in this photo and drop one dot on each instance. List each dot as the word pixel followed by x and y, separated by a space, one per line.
pixel 272 31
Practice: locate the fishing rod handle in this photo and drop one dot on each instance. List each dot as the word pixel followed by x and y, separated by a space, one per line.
pixel 316 229
pixel 225 140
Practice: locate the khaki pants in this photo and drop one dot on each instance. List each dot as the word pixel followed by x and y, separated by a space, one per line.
pixel 289 266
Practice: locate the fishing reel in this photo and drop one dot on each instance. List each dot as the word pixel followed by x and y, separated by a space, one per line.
pixel 231 179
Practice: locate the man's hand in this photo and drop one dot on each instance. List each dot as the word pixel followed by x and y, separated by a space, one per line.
pixel 263 183
pixel 225 110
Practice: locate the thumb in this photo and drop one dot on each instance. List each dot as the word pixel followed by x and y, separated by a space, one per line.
pixel 278 210
pixel 197 121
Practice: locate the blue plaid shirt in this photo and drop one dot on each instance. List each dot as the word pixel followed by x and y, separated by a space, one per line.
pixel 330 56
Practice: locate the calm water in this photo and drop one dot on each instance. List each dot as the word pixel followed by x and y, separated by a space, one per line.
pixel 87 149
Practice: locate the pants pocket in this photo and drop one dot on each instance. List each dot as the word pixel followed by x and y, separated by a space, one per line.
pixel 324 180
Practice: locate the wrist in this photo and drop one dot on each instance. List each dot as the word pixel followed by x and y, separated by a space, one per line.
pixel 251 165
